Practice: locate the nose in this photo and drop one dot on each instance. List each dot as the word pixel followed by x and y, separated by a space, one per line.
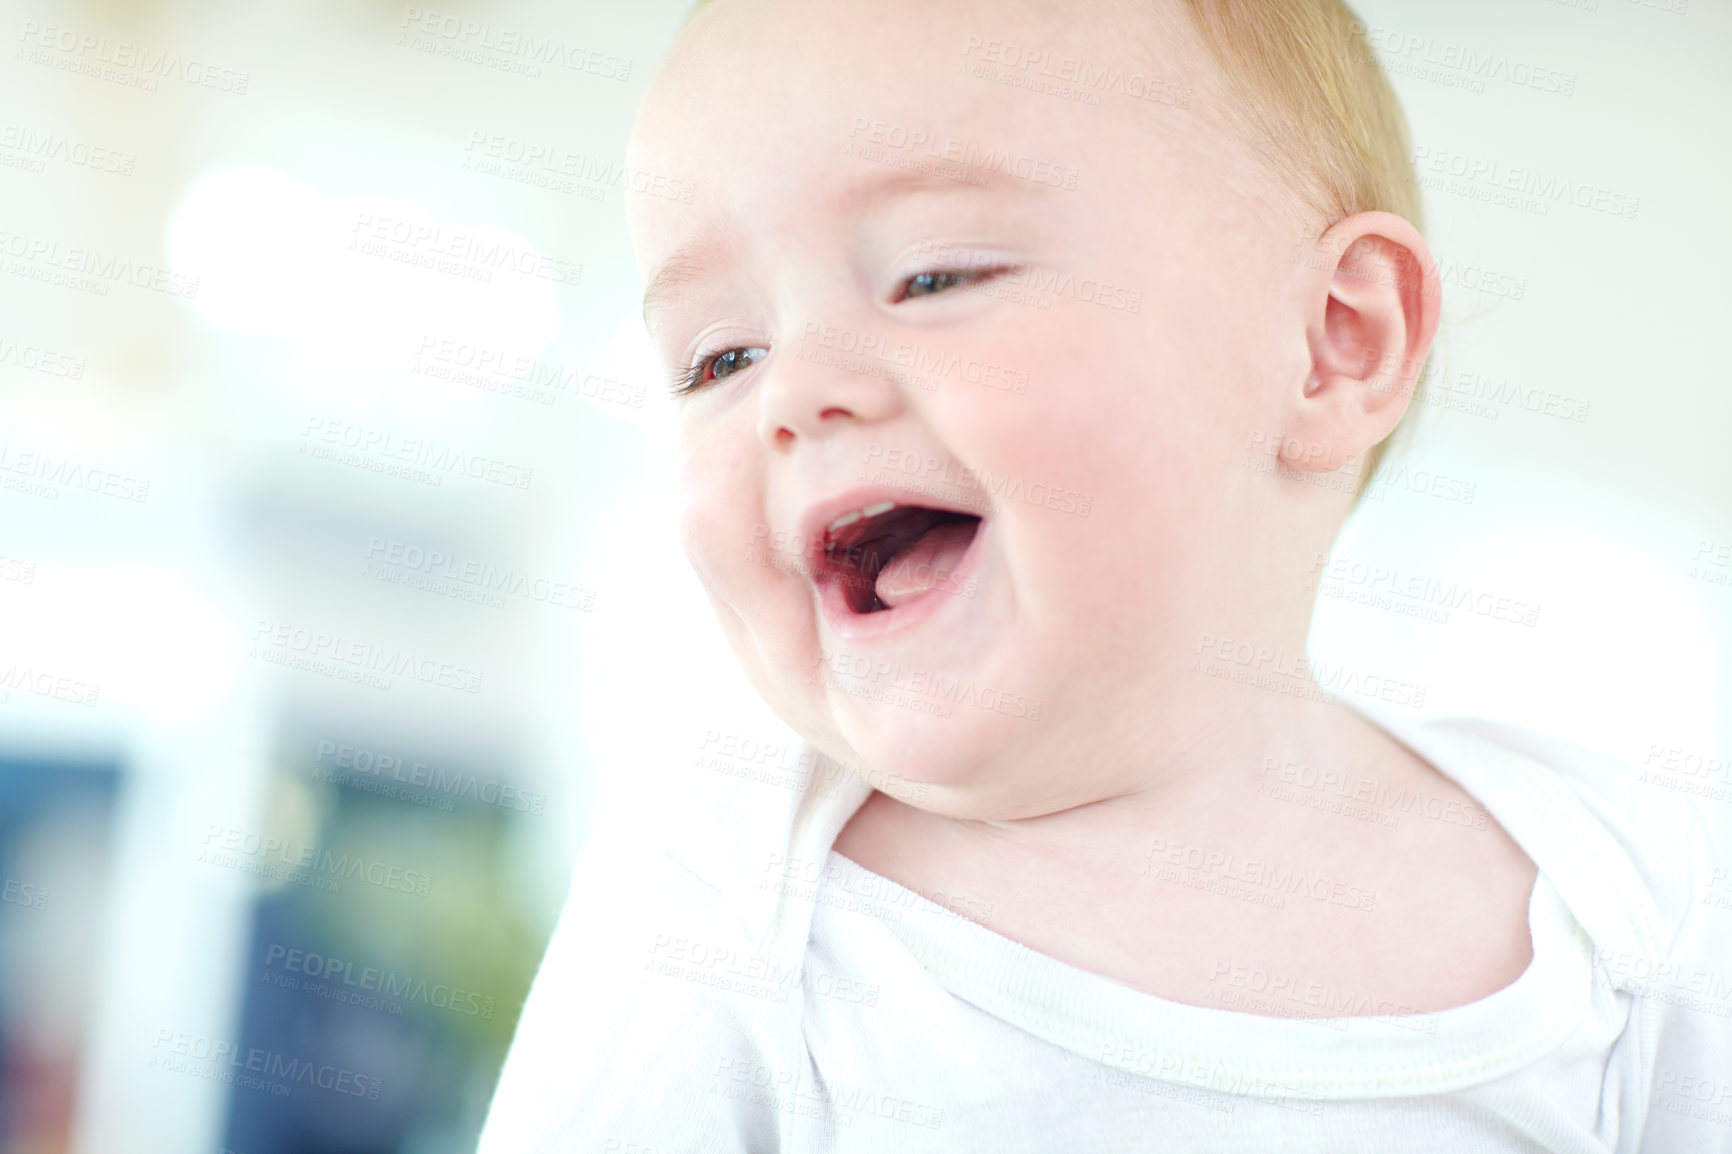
pixel 813 388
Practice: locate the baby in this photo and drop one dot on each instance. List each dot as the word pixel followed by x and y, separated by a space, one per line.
pixel 1028 355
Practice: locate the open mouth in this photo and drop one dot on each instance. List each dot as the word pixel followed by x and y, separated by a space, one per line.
pixel 887 555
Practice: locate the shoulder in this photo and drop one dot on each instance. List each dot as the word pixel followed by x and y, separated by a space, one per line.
pixel 667 1004
pixel 1629 854
pixel 649 995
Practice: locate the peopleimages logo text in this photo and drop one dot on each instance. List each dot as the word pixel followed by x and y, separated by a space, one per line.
pixel 373 980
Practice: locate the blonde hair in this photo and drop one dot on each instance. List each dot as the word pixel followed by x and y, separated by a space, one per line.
pixel 1315 105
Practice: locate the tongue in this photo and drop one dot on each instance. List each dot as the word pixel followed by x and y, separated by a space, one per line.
pixel 925 564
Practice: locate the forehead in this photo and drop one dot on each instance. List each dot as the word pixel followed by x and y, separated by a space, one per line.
pixel 784 57
pixel 770 111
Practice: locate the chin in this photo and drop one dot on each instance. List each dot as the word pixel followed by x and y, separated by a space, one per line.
pixel 955 752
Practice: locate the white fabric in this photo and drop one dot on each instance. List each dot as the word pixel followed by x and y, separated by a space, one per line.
pixel 697 998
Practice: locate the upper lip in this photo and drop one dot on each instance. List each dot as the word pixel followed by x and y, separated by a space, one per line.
pixel 814 524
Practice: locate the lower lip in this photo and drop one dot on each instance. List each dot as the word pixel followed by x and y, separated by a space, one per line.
pixel 852 626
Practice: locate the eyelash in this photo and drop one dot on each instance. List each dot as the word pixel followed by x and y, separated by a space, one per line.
pixel 693 379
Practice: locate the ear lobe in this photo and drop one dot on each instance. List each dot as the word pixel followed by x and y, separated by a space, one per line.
pixel 1376 305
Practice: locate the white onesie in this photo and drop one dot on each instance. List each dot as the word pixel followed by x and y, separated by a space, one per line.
pixel 776 996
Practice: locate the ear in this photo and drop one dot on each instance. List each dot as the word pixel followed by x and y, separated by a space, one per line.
pixel 1373 301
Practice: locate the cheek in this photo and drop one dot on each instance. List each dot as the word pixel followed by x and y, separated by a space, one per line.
pixel 1125 449
pixel 714 513
pixel 697 533
pixel 1119 408
pixel 740 559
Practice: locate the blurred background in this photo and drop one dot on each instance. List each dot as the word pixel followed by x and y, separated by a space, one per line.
pixel 338 586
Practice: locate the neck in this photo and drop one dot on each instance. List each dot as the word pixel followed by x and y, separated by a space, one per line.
pixel 1244 773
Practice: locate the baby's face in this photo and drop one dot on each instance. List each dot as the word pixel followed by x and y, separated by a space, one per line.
pixel 963 466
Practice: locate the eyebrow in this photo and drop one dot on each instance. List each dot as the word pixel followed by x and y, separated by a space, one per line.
pixel 688 265
pixel 684 267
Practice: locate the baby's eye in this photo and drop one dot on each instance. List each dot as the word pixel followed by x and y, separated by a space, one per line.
pixel 718 367
pixel 928 283
pixel 727 364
